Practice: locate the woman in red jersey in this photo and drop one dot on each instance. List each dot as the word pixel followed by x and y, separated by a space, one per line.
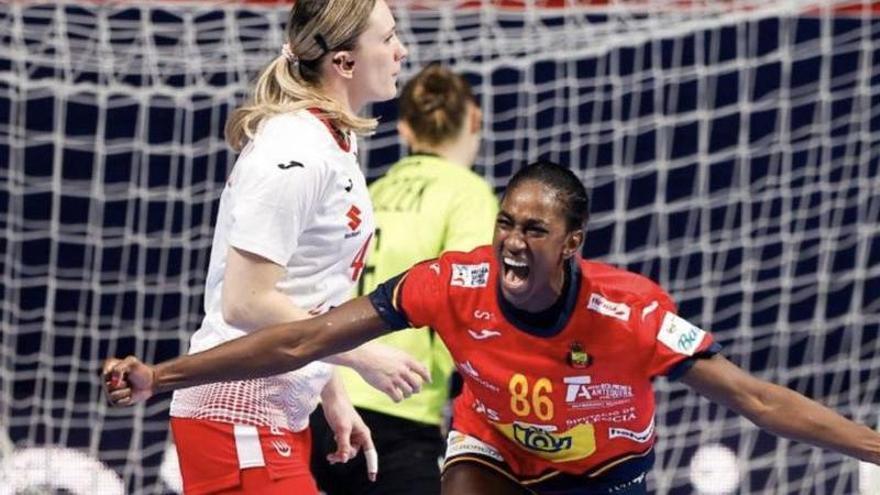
pixel 557 354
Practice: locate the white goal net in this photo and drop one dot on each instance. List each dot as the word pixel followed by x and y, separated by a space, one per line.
pixel 732 149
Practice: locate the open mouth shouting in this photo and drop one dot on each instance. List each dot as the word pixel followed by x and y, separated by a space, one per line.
pixel 515 275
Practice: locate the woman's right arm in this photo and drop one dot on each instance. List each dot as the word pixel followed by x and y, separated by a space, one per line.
pixel 266 352
pixel 250 298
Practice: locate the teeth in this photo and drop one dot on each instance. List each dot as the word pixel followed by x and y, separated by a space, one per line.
pixel 518 264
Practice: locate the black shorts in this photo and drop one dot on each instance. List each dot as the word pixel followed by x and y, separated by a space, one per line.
pixel 625 478
pixel 409 458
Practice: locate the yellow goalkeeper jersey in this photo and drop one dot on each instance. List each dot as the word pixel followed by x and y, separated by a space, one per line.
pixel 423 206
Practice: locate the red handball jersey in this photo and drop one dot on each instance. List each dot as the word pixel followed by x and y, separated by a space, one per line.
pixel 578 400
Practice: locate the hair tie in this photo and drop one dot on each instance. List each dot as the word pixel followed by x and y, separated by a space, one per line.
pixel 288 54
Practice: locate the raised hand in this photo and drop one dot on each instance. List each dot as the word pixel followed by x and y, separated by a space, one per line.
pixel 127 381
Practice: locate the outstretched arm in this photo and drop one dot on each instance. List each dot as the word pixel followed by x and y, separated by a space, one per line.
pixel 780 410
pixel 265 352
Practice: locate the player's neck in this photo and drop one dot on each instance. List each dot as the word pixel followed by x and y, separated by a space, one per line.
pixel 546 300
pixel 553 317
pixel 338 91
pixel 454 153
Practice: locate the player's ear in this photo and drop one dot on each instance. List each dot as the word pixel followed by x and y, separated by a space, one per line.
pixel 343 63
pixel 573 243
pixel 475 118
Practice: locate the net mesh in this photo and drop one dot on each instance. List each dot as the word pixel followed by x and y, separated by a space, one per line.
pixel 731 148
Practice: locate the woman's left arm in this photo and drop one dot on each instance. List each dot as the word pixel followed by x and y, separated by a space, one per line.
pixel 780 410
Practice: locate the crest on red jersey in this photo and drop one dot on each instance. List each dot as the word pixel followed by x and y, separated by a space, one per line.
pixel 577 356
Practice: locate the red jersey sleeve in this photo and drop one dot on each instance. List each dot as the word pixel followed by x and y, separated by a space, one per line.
pixel 677 343
pixel 412 298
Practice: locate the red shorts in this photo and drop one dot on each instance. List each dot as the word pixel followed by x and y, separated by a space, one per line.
pixel 222 458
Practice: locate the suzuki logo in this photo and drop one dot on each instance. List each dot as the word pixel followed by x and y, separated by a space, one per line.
pixel 484 334
pixel 281 447
pixel 354 215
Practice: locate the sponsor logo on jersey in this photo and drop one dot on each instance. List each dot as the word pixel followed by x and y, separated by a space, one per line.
pixel 608 308
pixel 348 187
pixel 470 276
pixel 486 411
pixel 483 315
pixel 616 416
pixel 282 448
pixel 468 369
pixel 435 267
pixel 540 439
pixel 680 335
pixel 459 443
pixel 582 393
pixel 643 436
pixel 290 164
pixel 545 442
pixel 486 333
pixel 354 217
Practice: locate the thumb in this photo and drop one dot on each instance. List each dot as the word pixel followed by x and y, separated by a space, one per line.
pixel 111 378
pixel 421 370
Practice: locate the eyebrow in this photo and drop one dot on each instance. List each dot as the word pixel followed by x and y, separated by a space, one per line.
pixel 528 222
pixel 534 222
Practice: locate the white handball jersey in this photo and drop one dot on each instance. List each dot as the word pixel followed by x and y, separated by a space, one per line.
pixel 297 197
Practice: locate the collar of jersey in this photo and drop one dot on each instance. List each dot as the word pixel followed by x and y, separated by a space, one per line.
pixel 423 154
pixel 342 138
pixel 507 309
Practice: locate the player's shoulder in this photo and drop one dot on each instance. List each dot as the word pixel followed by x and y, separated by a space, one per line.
pixel 298 135
pixel 468 269
pixel 440 174
pixel 480 254
pixel 471 185
pixel 462 181
pixel 285 150
pixel 620 285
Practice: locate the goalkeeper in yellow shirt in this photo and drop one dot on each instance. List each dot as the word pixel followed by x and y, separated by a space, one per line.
pixel 427 203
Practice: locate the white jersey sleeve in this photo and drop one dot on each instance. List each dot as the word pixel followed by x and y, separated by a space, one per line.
pixel 277 187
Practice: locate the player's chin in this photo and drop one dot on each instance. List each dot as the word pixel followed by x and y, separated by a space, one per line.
pixel 393 90
pixel 516 291
pixel 388 90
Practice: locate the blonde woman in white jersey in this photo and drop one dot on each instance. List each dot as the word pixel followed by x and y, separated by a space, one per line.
pixel 294 224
